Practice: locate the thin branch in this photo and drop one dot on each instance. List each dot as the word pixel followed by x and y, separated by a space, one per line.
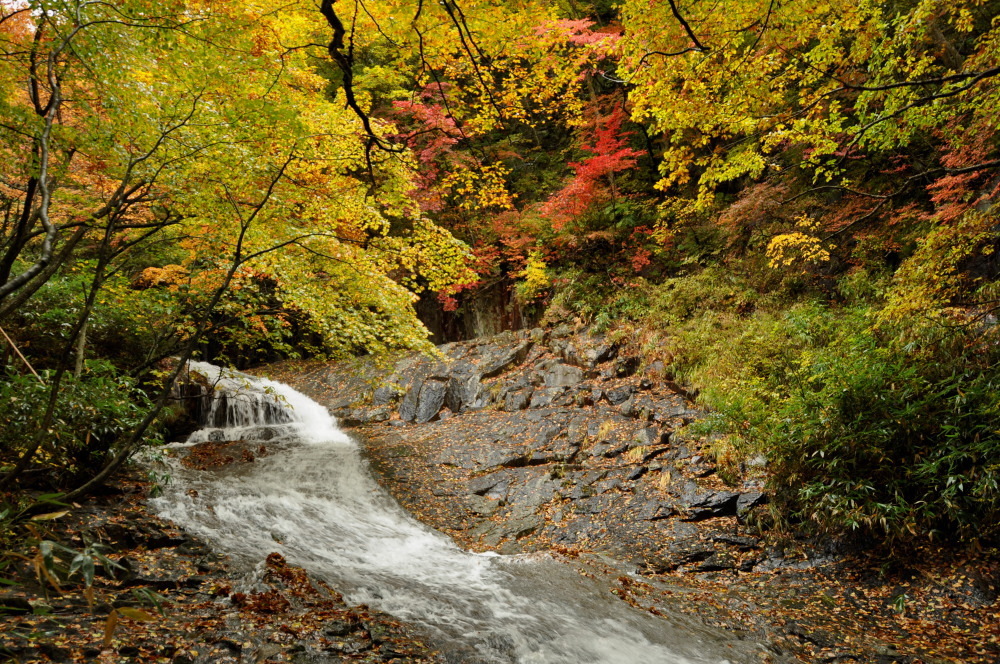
pixel 687 28
pixel 23 358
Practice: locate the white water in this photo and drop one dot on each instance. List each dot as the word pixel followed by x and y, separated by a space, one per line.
pixel 312 500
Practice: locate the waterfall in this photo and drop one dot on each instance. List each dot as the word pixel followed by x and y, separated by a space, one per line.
pixel 312 499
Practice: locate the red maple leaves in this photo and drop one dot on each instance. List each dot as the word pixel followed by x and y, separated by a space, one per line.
pixel 593 180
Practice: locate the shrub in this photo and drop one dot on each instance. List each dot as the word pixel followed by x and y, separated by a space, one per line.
pixel 864 433
pixel 92 415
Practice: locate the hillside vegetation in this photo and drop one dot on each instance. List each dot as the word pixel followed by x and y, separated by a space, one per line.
pixel 794 205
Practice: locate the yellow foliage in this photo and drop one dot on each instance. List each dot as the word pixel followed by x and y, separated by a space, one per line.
pixel 797 247
pixel 536 279
pixel 931 283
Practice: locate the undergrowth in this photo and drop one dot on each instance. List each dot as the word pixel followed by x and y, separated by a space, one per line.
pixel 873 426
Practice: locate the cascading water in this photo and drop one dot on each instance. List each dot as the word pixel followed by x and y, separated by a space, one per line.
pixel 312 499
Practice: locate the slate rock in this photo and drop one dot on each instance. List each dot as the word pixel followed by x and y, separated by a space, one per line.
pixel 494 484
pixel 576 430
pixel 482 505
pixel 627 407
pixel 494 533
pixel 712 504
pixel 562 331
pixel 519 400
pixel 654 510
pixel 626 366
pixel 548 434
pixel 544 457
pixel 595 504
pixel 600 450
pixel 598 354
pixel 385 395
pixel 408 407
pixel 650 437
pixel 430 401
pixel 562 375
pixel 716 562
pixel 738 541
pixel 636 473
pixel 619 395
pixel 543 398
pixel 499 360
pixel 747 501
pixel 506 459
pixel 463 392
pixel 534 493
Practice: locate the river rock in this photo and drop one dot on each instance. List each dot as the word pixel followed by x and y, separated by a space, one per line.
pixel 619 395
pixel 518 400
pixel 497 361
pixel 747 501
pixel 543 398
pixel 430 400
pixel 712 504
pixel 557 374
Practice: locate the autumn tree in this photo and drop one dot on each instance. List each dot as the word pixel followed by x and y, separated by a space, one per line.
pixel 170 158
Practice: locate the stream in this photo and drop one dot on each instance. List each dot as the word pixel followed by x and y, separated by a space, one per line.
pixel 312 499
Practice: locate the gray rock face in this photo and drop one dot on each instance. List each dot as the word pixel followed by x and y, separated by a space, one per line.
pixel 651 436
pixel 544 397
pixel 517 400
pixel 506 459
pixel 494 485
pixel 463 391
pixel 562 375
pixel 408 407
pixel 576 431
pixel 482 505
pixel 600 353
pixel 495 363
pixel 619 395
pixel 747 501
pixel 430 400
pixel 385 395
pixel 712 504
pixel 534 493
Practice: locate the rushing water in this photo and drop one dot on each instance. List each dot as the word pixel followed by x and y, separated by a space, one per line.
pixel 312 499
